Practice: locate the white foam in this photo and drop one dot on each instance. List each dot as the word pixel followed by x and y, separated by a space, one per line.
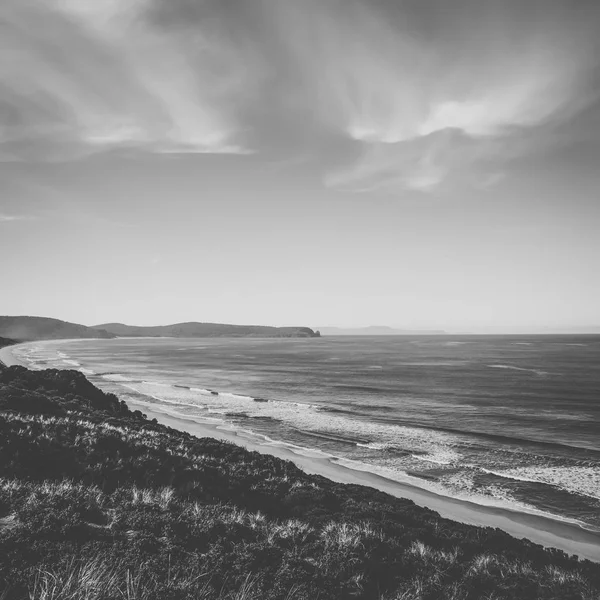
pixel 431 445
pixel 116 377
pixel 489 496
pixel 265 440
pixel 166 410
pixel 72 363
pixel 25 354
pixel 376 445
pixel 235 396
pixel 463 484
pixel 578 480
pixel 513 368
pixel 445 456
pixel 433 363
pixel 174 401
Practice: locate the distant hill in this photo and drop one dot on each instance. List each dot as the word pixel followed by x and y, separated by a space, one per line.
pixel 25 329
pixel 192 330
pixel 378 330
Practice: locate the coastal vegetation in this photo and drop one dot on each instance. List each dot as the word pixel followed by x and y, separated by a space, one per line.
pixel 98 502
pixel 6 342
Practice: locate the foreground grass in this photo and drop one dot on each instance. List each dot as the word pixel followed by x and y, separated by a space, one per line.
pixel 97 502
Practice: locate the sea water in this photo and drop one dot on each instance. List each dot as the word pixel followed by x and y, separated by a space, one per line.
pixel 512 421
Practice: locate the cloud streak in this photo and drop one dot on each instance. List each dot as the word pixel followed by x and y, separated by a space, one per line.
pixel 5 218
pixel 435 91
pixel 423 93
pixel 78 76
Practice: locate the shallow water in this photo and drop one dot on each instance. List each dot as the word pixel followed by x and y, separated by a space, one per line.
pixel 507 420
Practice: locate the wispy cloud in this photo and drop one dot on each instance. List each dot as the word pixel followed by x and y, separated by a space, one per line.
pixel 433 91
pixel 4 218
pixel 83 75
pixel 423 93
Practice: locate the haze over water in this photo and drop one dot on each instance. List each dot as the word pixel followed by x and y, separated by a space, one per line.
pixel 507 420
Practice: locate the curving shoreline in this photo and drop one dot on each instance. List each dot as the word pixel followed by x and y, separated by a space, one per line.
pixel 7 358
pixel 543 530
pixel 551 533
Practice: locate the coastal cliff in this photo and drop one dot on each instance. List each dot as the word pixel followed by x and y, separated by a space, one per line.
pixel 97 501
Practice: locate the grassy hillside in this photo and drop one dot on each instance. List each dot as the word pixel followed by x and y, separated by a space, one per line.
pixel 42 328
pixel 206 330
pixel 98 502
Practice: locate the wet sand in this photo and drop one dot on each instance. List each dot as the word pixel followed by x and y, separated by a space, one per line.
pixel 7 358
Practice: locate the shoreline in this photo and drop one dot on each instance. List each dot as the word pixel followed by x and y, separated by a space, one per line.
pixel 548 532
pixel 7 358
pixel 544 530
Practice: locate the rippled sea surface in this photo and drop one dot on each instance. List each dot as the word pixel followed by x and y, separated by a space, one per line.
pixel 505 420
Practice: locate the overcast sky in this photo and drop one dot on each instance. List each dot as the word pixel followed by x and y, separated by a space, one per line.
pixel 418 163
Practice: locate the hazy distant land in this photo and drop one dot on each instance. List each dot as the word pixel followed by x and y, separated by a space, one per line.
pixel 377 330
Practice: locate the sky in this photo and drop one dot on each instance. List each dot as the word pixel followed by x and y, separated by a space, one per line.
pixel 412 163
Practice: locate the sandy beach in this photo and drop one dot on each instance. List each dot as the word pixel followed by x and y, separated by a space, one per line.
pixel 7 357
pixel 543 530
pixel 548 532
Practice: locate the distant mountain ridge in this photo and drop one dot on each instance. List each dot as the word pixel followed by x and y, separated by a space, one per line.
pixel 194 329
pixel 25 329
pixel 378 330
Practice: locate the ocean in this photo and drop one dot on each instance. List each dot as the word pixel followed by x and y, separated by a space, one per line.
pixel 512 421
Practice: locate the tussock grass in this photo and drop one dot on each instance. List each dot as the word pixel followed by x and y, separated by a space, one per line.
pixel 343 536
pixel 99 580
pixel 563 577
